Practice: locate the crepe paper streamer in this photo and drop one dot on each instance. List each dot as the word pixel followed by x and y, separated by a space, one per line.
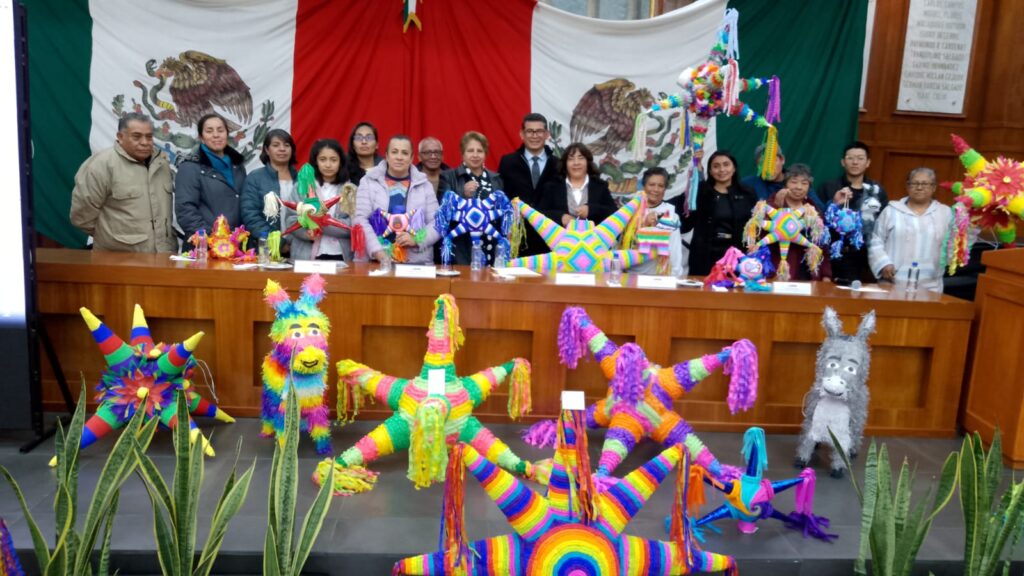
pixel 749 499
pixel 573 529
pixel 142 375
pixel 956 250
pixel 427 425
pixel 224 243
pixel 787 226
pixel 641 394
pixel 582 247
pixel 475 217
pixel 992 191
pixel 299 333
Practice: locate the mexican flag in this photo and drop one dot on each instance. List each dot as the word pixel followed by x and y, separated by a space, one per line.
pixel 317 67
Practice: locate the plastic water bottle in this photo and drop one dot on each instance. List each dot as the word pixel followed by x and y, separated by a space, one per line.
pixel 913 275
pixel 477 259
pixel 499 259
pixel 263 250
pixel 615 272
pixel 855 285
pixel 203 248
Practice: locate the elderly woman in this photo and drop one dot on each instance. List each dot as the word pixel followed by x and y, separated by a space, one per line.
pixel 396 187
pixel 470 180
pixel 210 180
pixel 579 192
pixel 912 229
pixel 795 193
pixel 661 215
pixel 276 179
pixel 723 208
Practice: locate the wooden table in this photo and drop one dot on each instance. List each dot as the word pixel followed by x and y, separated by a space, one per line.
pixel 919 349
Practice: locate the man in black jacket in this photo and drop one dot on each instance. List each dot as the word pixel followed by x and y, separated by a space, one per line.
pixel 526 171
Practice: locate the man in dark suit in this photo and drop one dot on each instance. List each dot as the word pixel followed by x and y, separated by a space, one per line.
pixel 526 171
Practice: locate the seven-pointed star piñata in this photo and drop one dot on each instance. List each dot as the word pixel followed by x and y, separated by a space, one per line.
pixel 582 247
pixel 144 376
pixel 428 424
pixel 574 531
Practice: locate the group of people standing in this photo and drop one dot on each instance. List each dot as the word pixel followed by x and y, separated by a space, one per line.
pixel 123 197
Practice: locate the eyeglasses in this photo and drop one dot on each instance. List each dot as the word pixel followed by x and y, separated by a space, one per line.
pixel 432 153
pixel 540 132
pixel 920 185
pixel 364 138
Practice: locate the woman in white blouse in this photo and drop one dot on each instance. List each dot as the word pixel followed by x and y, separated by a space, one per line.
pixel 580 193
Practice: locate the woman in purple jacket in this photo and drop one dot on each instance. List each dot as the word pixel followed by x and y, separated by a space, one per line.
pixel 392 189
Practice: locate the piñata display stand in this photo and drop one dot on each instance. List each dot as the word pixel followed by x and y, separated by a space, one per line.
pixel 476 217
pixel 574 529
pixel 432 411
pixel 992 197
pixel 299 333
pixel 223 243
pixel 751 271
pixel 786 226
pixel 748 499
pixel 143 375
pixel 314 214
pixel 714 89
pixel 641 394
pixel 582 246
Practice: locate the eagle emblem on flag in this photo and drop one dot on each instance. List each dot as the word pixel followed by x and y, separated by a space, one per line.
pixel 197 84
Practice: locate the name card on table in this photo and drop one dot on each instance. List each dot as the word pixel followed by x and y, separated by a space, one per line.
pixel 315 267
pixel 575 279
pixel 792 288
pixel 573 400
pixel 415 271
pixel 435 382
pixel 656 282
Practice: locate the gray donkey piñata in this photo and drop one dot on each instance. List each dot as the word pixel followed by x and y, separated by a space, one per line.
pixel 838 400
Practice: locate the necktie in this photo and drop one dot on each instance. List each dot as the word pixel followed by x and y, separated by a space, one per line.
pixel 535 170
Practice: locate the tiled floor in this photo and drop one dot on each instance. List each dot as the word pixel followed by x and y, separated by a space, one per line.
pixel 365 534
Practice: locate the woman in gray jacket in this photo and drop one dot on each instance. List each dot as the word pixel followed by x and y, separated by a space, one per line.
pixel 210 180
pixel 396 187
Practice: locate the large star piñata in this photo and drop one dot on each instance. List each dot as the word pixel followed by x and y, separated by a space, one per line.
pixel 993 193
pixel 144 376
pixel 711 89
pixel 428 424
pixel 582 247
pixel 314 214
pixel 641 394
pixel 573 531
pixel 787 226
pixel 749 497
pixel 476 217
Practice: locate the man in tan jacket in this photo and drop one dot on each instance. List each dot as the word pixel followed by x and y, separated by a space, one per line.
pixel 123 196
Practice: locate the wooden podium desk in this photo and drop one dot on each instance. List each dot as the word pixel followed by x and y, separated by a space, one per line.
pixel 916 374
pixel 995 393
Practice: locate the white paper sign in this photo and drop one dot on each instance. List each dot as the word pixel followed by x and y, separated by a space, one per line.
pixel 316 267
pixel 573 400
pixel 435 382
pixel 657 282
pixel 575 279
pixel 794 288
pixel 414 271
pixel 516 271
pixel 936 55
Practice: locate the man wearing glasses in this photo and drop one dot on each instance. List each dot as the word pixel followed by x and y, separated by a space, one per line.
pixel 526 171
pixel 431 155
pixel 912 231
pixel 857 192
